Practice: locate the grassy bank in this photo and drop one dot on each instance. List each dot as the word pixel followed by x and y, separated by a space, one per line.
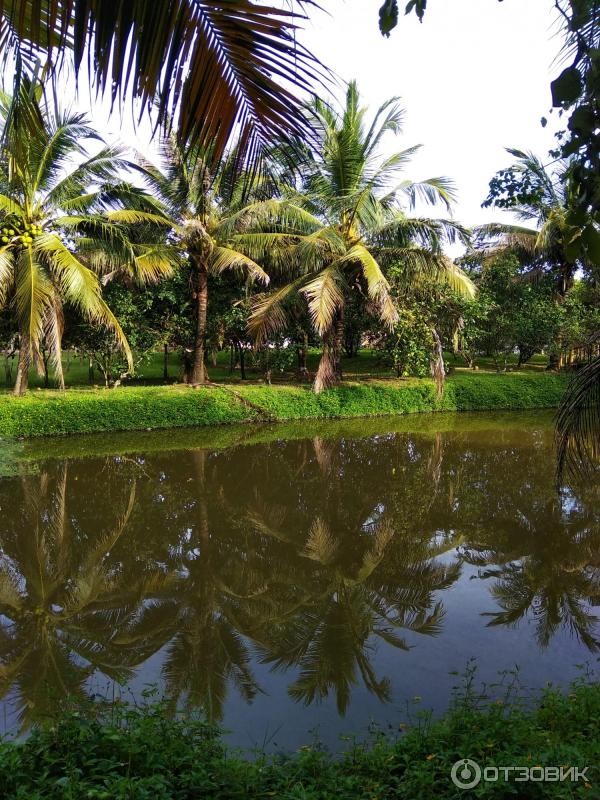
pixel 134 754
pixel 45 413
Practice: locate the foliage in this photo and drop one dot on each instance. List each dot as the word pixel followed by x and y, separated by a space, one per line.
pixel 145 323
pixel 513 313
pixel 136 753
pixel 577 90
pixel 63 213
pixel 131 408
pixel 428 307
pixel 407 348
pixel 202 206
pixel 218 70
pixel 555 240
pixel 581 315
pixel 77 411
pixel 345 225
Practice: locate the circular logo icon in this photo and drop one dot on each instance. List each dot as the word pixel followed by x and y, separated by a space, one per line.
pixel 466 773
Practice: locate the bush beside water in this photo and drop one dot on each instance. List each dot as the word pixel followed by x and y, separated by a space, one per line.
pixel 139 753
pixel 137 408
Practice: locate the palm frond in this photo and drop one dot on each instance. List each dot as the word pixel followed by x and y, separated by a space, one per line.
pixel 6 274
pixel 33 294
pixel 219 68
pixel 268 315
pixel 131 216
pixel 226 258
pixel 325 297
pixel 578 423
pixel 431 191
pixel 80 286
pixel 377 284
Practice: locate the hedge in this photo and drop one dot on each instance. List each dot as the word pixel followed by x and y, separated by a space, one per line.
pixel 44 413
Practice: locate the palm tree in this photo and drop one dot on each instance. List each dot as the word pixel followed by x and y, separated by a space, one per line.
pixel 202 222
pixel 346 225
pixel 57 226
pixel 214 615
pixel 557 240
pixel 218 68
pixel 389 590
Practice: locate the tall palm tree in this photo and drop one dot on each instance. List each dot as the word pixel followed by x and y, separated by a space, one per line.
pixel 337 234
pixel 556 239
pixel 217 68
pixel 327 638
pixel 61 219
pixel 194 207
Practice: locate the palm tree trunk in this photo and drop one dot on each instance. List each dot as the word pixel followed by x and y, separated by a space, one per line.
pixel 198 373
pixel 22 379
pixel 438 370
pixel 339 343
pixel 329 372
pixel 166 362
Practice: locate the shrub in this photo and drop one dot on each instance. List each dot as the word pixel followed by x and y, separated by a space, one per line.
pixel 139 753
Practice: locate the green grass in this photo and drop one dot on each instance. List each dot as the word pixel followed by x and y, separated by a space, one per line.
pixel 463 392
pixel 44 413
pixel 364 366
pixel 127 753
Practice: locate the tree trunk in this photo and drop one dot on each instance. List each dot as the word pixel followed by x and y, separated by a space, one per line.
pixel 60 376
pixel 242 362
pixel 198 374
pixel 339 343
pixel 565 282
pixel 438 370
pixel 22 379
pixel 166 362
pixel 329 372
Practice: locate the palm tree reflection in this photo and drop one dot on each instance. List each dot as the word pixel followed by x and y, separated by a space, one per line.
pixel 65 598
pixel 546 567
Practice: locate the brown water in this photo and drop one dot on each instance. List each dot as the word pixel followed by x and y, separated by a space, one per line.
pixel 284 580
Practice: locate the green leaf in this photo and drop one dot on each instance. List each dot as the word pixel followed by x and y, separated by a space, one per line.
pixel 419 6
pixel 591 239
pixel 567 88
pixel 388 16
pixel 582 120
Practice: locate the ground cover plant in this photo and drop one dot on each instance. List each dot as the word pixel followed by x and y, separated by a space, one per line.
pixel 135 752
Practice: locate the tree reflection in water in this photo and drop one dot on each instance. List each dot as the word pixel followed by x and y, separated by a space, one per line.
pixel 305 556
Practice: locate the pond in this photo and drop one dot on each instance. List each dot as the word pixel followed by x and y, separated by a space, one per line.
pixel 292 582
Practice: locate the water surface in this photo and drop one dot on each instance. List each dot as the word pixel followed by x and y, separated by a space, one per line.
pixel 283 580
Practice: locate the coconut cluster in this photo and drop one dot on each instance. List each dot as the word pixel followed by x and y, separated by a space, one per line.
pixel 27 237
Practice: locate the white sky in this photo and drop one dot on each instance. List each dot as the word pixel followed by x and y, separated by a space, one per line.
pixel 474 78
